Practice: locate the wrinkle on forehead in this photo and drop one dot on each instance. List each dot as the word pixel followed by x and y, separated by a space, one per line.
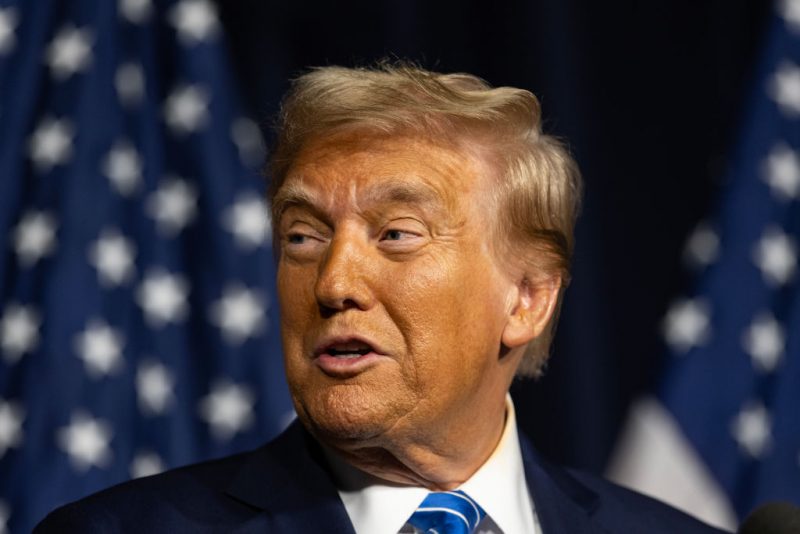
pixel 338 172
pixel 399 190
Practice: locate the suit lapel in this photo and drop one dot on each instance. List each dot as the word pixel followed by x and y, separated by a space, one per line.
pixel 288 484
pixel 287 480
pixel 563 505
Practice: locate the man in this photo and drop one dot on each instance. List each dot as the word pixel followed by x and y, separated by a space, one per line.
pixel 423 229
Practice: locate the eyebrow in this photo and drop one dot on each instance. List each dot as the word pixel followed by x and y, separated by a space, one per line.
pixel 400 191
pixel 291 195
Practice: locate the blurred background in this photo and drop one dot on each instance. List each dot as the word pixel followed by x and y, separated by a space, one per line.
pixel 138 328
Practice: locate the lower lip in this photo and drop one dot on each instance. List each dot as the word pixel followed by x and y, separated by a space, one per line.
pixel 346 367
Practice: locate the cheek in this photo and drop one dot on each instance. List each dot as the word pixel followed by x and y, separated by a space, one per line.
pixel 448 315
pixel 297 306
pixel 295 293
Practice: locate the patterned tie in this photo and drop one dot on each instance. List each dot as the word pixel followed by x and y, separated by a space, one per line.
pixel 447 512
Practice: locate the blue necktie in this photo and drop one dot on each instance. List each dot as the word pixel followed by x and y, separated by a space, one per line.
pixel 447 512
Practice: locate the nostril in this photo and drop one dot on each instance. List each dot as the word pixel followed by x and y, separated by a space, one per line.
pixel 330 307
pixel 326 312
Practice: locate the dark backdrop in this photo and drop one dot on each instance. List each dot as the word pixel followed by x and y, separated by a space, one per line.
pixel 647 94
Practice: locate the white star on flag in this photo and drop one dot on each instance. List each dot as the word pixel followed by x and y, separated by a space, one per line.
pixel 8 23
pixel 785 88
pixel 248 140
pixel 764 341
pixel 129 84
pixel 145 464
pixel 776 255
pixel 123 166
pixel 69 52
pixel 86 441
pixel 112 255
pixel 51 143
pixel 162 296
pixel 751 429
pixel 11 417
pixel 228 409
pixel 790 11
pixel 100 348
pixel 702 247
pixel 173 205
pixel 194 20
pixel 239 314
pixel 135 11
pixel 186 109
pixel 34 237
pixel 782 171
pixel 687 324
pixel 19 331
pixel 154 385
pixel 249 221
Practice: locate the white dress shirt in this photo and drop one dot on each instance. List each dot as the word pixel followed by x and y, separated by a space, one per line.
pixel 376 506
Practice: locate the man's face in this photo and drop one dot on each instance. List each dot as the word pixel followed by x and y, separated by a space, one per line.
pixel 392 304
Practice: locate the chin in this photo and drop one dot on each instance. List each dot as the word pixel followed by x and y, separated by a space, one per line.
pixel 346 414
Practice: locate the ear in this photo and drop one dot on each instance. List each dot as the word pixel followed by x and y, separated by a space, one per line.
pixel 531 308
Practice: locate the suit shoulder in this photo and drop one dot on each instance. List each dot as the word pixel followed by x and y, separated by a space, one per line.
pixel 640 512
pixel 182 496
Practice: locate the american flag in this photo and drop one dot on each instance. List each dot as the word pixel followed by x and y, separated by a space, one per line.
pixel 138 329
pixel 733 382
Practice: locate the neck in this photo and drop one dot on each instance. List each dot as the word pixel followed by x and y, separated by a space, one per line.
pixel 438 462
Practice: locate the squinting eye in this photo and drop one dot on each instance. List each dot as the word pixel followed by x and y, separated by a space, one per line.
pixel 393 235
pixel 295 239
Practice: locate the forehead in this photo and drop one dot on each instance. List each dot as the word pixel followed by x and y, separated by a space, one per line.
pixel 357 168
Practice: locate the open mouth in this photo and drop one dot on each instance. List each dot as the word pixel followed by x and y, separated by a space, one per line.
pixel 351 349
pixel 346 356
pixel 348 353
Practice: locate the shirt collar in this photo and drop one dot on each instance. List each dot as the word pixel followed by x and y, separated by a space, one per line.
pixel 376 506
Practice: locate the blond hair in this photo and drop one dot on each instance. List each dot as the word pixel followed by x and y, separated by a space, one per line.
pixel 538 183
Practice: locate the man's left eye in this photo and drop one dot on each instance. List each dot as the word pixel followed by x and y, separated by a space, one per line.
pixel 394 235
pixel 406 236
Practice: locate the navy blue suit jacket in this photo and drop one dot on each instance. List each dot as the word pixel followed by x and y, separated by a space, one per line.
pixel 285 487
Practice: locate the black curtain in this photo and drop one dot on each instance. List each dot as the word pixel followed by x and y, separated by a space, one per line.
pixel 647 95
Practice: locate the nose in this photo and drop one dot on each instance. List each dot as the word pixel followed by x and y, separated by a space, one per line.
pixel 342 281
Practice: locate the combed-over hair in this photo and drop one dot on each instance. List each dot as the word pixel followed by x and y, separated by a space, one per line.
pixel 538 183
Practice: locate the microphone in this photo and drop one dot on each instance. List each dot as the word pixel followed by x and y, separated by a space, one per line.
pixel 772 518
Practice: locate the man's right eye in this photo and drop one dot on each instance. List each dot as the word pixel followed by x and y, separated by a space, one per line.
pixel 296 239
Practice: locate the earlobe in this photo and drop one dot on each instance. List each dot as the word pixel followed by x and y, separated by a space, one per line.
pixel 533 307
